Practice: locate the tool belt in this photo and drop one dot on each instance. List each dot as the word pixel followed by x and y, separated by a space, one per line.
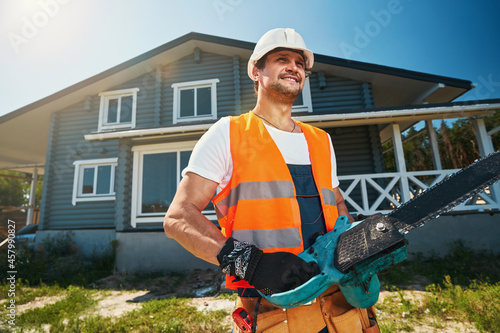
pixel 330 309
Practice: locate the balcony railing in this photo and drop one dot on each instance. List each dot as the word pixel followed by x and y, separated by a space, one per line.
pixel 382 192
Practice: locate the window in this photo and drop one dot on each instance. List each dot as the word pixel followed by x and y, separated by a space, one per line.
pixel 303 102
pixel 157 172
pixel 118 109
pixel 196 100
pixel 94 180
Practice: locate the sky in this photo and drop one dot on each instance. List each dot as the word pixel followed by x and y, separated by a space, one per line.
pixel 48 45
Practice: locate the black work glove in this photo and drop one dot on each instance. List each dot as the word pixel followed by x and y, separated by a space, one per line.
pixel 267 272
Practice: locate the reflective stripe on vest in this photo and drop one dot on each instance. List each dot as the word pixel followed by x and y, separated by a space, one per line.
pixel 272 189
pixel 329 197
pixel 270 238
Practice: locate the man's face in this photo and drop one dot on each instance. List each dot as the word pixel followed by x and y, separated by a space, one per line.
pixel 283 74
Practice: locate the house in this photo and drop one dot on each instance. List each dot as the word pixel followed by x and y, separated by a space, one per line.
pixel 112 147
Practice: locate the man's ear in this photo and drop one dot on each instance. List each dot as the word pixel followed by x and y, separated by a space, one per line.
pixel 255 73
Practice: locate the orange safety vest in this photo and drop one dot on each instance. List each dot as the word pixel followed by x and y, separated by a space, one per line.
pixel 259 203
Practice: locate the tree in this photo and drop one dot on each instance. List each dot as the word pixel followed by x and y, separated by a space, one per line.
pixel 460 144
pixel 12 190
pixel 492 122
pixel 15 189
pixel 457 145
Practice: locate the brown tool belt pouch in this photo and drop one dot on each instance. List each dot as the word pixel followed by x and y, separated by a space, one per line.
pixel 329 309
pixel 340 316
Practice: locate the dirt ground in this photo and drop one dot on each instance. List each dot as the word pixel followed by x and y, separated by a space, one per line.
pixel 122 294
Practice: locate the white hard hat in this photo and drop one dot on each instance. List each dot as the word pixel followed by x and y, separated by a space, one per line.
pixel 280 37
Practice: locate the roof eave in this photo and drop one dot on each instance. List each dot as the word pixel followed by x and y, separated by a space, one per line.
pixel 364 66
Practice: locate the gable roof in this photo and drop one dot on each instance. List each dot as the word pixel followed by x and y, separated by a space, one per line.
pixel 391 86
pixel 213 44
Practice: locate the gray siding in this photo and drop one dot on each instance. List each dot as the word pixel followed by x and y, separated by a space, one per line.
pixel 338 94
pixel 123 186
pixel 48 175
pixel 67 144
pixel 248 100
pixel 357 150
pixel 211 66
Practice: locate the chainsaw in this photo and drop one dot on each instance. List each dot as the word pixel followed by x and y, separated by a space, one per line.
pixel 352 254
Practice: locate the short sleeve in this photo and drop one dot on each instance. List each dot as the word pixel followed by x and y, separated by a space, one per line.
pixel 211 156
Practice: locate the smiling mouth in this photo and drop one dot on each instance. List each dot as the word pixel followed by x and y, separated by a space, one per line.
pixel 291 79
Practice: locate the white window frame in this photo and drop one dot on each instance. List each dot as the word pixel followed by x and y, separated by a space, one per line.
pixel 178 87
pixel 306 99
pixel 103 110
pixel 80 165
pixel 139 151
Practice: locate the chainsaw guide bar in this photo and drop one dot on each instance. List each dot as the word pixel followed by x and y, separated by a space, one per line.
pixel 379 232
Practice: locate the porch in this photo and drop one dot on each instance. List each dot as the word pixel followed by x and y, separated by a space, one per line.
pixel 368 194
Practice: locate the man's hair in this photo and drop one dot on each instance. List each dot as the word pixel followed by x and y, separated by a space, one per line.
pixel 261 63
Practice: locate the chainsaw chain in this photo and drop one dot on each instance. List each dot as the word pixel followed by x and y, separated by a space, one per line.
pixel 451 205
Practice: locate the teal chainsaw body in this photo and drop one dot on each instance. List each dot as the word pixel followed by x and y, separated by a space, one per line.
pixel 352 254
pixel 359 285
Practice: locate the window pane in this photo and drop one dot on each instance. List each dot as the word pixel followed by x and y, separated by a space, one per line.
pixel 103 179
pixel 187 103
pixel 159 181
pixel 203 101
pixel 112 111
pixel 299 101
pixel 88 180
pixel 185 155
pixel 126 109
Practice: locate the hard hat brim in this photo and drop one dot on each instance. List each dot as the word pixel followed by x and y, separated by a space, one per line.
pixel 309 56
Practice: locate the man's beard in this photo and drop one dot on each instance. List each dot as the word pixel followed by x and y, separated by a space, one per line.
pixel 284 93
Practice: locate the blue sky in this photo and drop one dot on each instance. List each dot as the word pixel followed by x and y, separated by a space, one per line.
pixel 48 45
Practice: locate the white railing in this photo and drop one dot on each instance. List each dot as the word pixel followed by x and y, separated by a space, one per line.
pixel 382 192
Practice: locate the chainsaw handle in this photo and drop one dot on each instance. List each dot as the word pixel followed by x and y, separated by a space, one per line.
pixel 360 294
pixel 322 253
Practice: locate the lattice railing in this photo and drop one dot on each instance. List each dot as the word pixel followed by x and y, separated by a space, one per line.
pixel 382 192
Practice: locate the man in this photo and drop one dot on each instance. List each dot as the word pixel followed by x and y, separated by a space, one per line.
pixel 279 191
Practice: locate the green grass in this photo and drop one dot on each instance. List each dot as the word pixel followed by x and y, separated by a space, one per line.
pixel 75 303
pixel 477 306
pixel 464 265
pixel 464 287
pixel 479 303
pixel 168 315
pixel 26 293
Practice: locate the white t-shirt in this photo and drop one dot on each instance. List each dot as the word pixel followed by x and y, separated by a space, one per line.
pixel 211 157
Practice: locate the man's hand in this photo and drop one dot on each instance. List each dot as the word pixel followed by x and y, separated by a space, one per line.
pixel 267 272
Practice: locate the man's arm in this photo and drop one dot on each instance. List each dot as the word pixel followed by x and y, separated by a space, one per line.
pixel 271 272
pixel 341 207
pixel 187 225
